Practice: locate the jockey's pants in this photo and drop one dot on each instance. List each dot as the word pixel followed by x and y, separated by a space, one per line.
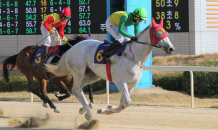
pixel 113 30
pixel 45 33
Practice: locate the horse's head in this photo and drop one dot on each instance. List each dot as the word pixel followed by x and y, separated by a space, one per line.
pixel 159 37
pixel 78 39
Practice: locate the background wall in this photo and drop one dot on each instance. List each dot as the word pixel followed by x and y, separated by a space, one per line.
pixel 12 44
pixel 184 42
pixel 201 38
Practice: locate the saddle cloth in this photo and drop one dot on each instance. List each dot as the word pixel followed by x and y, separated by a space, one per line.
pixel 37 60
pixel 98 59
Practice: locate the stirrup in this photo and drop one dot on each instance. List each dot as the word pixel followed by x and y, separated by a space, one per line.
pixel 104 55
pixel 107 57
pixel 44 60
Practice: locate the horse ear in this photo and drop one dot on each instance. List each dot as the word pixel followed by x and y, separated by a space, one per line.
pixel 161 22
pixel 153 22
pixel 82 36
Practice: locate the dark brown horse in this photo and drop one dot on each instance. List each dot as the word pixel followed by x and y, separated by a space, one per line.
pixel 23 61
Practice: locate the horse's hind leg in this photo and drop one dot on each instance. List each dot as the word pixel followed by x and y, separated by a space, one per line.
pixel 90 93
pixel 77 91
pixel 78 74
pixel 61 84
pixel 91 104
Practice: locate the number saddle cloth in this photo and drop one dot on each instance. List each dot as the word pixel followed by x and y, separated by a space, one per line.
pixel 98 59
pixel 53 51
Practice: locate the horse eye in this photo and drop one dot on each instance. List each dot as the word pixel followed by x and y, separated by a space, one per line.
pixel 159 33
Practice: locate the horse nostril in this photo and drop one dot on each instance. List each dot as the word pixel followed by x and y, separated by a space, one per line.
pixel 171 49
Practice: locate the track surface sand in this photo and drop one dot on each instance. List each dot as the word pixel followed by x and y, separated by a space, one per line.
pixel 143 117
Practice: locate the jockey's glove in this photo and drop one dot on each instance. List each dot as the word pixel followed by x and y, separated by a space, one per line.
pixel 65 39
pixel 134 38
pixel 52 31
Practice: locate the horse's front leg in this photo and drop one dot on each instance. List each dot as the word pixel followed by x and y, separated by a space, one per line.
pixel 125 100
pixel 43 85
pixel 29 76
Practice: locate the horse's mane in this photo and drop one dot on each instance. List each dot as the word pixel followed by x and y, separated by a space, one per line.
pixel 148 27
pixel 66 46
pixel 72 42
pixel 75 40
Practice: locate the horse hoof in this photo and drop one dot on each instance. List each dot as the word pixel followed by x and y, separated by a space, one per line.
pixel 57 110
pixel 101 111
pixel 82 111
pixel 110 107
pixel 91 105
pixel 88 117
pixel 45 105
pixel 56 93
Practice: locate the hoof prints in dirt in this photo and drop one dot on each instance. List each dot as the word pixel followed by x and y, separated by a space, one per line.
pixel 14 122
pixel 93 124
pixel 36 122
pixel 31 122
pixel 1 112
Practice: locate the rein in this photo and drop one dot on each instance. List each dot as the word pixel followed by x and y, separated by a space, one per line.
pixel 129 57
pixel 132 59
pixel 58 38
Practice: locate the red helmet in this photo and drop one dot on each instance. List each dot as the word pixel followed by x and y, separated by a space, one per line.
pixel 65 14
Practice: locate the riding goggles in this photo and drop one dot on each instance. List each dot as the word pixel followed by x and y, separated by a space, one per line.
pixel 66 18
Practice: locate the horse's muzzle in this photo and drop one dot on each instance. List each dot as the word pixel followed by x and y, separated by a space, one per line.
pixel 170 51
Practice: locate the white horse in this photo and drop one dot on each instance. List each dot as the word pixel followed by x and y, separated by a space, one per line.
pixel 126 74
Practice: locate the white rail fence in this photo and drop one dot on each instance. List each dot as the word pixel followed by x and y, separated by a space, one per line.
pixel 176 68
pixel 169 68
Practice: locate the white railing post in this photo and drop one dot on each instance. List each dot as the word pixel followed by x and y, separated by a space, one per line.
pixel 107 91
pixel 184 68
pixel 192 89
pixel 31 97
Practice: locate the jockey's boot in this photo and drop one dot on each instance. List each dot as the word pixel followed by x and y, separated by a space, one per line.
pixel 45 54
pixel 113 46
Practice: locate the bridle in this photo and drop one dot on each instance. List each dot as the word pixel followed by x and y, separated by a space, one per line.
pixel 157 45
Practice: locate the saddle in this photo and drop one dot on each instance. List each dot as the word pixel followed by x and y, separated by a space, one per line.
pixel 98 59
pixel 51 49
pixel 52 53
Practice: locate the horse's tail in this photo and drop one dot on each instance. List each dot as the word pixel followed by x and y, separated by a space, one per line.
pixel 60 69
pixel 9 61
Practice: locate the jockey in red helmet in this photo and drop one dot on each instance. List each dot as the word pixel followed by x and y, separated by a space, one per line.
pixel 48 26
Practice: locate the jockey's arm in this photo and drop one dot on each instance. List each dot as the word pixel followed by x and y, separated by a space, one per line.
pixel 136 30
pixel 48 21
pixel 121 26
pixel 61 30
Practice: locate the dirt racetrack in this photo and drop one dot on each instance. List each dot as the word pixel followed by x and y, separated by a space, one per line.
pixel 134 117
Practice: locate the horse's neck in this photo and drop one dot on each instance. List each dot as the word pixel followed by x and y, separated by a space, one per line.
pixel 142 51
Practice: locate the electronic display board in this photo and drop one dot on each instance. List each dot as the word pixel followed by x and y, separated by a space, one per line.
pixel 20 17
pixel 175 14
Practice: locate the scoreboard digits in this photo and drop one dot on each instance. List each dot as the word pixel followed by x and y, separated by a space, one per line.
pixel 174 14
pixel 24 17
